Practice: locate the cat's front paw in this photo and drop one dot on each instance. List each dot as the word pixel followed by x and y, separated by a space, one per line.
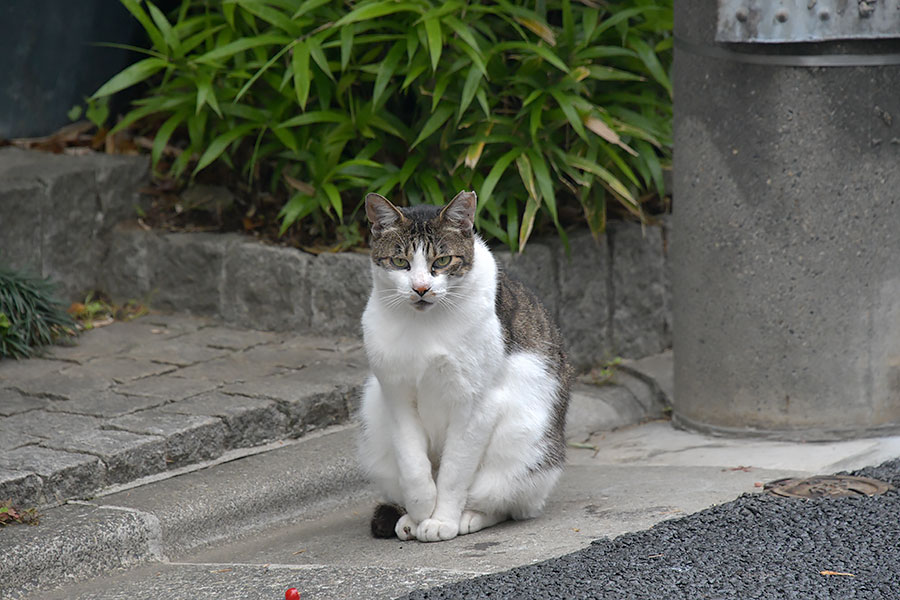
pixel 405 528
pixel 433 530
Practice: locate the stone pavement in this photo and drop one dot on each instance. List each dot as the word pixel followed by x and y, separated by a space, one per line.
pixel 133 400
pixel 152 407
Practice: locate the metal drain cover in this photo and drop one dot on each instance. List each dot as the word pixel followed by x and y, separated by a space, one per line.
pixel 827 486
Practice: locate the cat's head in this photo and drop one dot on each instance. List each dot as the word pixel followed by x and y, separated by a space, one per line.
pixel 421 253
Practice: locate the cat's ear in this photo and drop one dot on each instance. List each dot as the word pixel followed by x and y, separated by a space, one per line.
pixel 382 214
pixel 461 210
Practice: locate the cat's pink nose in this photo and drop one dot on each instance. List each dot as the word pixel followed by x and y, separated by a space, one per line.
pixel 421 289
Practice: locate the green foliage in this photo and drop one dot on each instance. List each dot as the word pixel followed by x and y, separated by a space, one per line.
pixel 531 104
pixel 30 317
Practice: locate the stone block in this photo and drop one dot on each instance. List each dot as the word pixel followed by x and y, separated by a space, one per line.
pixel 188 439
pixel 340 285
pixel 70 230
pixel 312 398
pixel 249 421
pixel 186 270
pixel 65 475
pixel 23 488
pixel 126 265
pixel 266 287
pixel 181 352
pixel 118 181
pixel 600 408
pixel 639 321
pixel 537 269
pixel 585 308
pixel 127 456
pixel 21 204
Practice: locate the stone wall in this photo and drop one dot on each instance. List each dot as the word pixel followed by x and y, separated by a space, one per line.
pixel 611 298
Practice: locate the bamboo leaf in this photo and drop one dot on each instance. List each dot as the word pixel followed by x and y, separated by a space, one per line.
pixel 603 130
pixel 153 32
pixel 302 76
pixel 130 76
pixel 545 183
pixel 368 12
pixel 435 41
pixel 241 45
pixel 493 177
pixel 611 180
pixel 165 28
pixel 568 107
pixel 473 79
pixel 315 51
pixel 315 116
pixel 346 46
pixel 164 133
pixel 334 197
pixel 221 143
pixel 531 209
pixel 386 70
pixel 650 60
pixel 438 118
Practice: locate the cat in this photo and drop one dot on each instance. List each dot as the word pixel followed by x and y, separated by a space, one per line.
pixel 463 416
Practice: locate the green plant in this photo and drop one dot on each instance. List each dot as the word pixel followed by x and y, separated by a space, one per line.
pixel 534 105
pixel 30 316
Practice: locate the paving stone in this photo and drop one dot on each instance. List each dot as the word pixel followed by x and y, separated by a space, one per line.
pixel 250 421
pixel 23 488
pixel 45 424
pixel 176 351
pixel 118 369
pixel 168 387
pixel 230 339
pixel 127 456
pixel 65 474
pixel 29 368
pixel 74 384
pixel 266 286
pixel 189 439
pixel 12 402
pixel 11 436
pixel 232 368
pixel 106 404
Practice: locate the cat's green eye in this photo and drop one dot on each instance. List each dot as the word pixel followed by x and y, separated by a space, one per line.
pixel 400 263
pixel 441 261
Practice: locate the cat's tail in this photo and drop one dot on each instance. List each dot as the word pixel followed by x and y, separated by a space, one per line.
pixel 385 520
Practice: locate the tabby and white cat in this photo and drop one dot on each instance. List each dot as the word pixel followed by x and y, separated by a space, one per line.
pixel 464 414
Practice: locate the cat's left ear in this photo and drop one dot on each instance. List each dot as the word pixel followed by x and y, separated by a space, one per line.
pixel 461 210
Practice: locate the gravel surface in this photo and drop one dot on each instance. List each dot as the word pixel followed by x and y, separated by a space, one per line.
pixel 756 547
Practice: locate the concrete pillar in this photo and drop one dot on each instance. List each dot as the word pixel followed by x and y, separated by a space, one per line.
pixel 786 238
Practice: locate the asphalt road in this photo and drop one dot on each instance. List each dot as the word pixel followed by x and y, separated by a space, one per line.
pixel 756 547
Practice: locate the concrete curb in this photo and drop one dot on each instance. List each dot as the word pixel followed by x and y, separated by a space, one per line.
pixel 230 498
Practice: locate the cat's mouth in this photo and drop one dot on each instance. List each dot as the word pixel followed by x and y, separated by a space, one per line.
pixel 422 305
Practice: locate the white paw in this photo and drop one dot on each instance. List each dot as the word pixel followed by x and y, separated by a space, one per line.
pixel 406 528
pixel 433 530
pixel 473 520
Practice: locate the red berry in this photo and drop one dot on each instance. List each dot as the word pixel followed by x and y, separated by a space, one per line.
pixel 292 594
